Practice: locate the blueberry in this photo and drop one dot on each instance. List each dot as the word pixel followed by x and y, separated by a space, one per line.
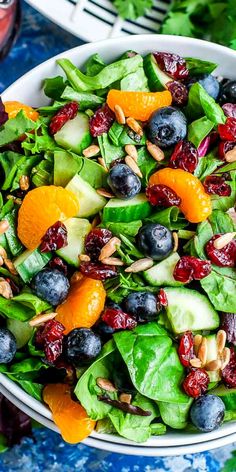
pixel 228 92
pixel 123 181
pixel 82 346
pixel 141 305
pixel 207 412
pixel 51 285
pixel 166 127
pixel 104 330
pixel 7 346
pixel 211 85
pixel 155 241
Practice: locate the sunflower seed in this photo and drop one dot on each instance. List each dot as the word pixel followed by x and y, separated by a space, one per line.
pixel 221 340
pixel 109 248
pixel 133 166
pixel 104 193
pixel 120 116
pixel 91 151
pixel 202 351
pixel 37 320
pixel 132 151
pixel 176 241
pixel 213 365
pixel 140 265
pixel 195 362
pixel 105 384
pixel 84 258
pixel 135 126
pixel 24 182
pixel 125 397
pixel 223 240
pixel 112 261
pixel 156 152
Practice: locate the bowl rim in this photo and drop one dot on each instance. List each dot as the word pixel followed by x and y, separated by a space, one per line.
pixel 169 440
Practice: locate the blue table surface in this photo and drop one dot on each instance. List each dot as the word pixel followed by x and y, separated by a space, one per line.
pixel 39 40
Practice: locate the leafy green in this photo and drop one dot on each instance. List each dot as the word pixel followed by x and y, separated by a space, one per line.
pixel 132 9
pixel 199 67
pixel 8 162
pixel 87 390
pixel 41 174
pixel 94 65
pixel 53 87
pixel 108 75
pixel 170 217
pixel 85 100
pixel 174 414
pixel 93 173
pixel 146 164
pixel 200 104
pixel 23 307
pixel 7 208
pixel 221 282
pixel 137 81
pixel 129 230
pixel 199 129
pixel 230 464
pixel 152 362
pixel 120 135
pixel 109 152
pixel 15 127
pixel 39 141
pixel 207 165
pixel 136 428
pixel 13 241
pixel 224 203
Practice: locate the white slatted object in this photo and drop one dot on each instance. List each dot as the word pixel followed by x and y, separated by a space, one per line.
pixel 94 20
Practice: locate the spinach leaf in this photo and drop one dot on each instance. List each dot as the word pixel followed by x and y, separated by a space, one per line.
pixel 13 241
pixel 135 428
pixel 51 109
pixel 93 173
pixel 15 127
pixel 129 230
pixel 146 164
pixel 175 415
pixel 87 390
pixel 207 165
pixel 200 104
pixel 8 162
pixel 109 152
pixel 94 65
pixel 221 282
pixel 152 362
pixel 199 129
pixel 53 87
pixel 170 217
pixel 199 67
pixel 136 81
pixel 23 307
pixel 105 426
pixel 41 174
pixel 6 208
pixel 85 99
pixel 107 76
pixel 66 165
pixel 121 135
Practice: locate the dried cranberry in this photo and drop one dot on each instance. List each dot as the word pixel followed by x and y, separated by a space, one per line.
pixel 58 263
pixel 162 195
pixel 172 64
pixel 224 147
pixel 190 268
pixel 229 372
pixel 98 271
pixel 55 238
pixel 3 113
pixel 229 109
pixel 101 121
pixel 51 331
pixel 179 92
pixel 184 157
pixel 225 257
pixel 185 349
pixel 196 383
pixel 95 240
pixel 53 350
pixel 66 113
pixel 50 337
pixel 228 324
pixel 227 131
pixel 216 185
pixel 117 319
pixel 162 298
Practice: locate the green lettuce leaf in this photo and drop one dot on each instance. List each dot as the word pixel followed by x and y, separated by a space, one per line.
pixel 170 217
pixel 199 67
pixel 85 99
pixel 200 104
pixel 199 129
pixel 175 415
pixel 53 87
pixel 15 127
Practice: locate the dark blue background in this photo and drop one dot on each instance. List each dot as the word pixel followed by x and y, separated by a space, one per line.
pixel 39 40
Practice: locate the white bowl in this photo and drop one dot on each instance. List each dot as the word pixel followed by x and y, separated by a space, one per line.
pixel 28 89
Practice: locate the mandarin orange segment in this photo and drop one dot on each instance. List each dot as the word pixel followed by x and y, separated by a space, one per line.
pixel 13 107
pixel 41 208
pixel 138 105
pixel 83 306
pixel 70 417
pixel 195 202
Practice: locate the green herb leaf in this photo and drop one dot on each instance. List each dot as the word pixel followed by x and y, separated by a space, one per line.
pixel 15 127
pixel 53 87
pixel 199 67
pixel 132 9
pixel 200 103
pixel 170 217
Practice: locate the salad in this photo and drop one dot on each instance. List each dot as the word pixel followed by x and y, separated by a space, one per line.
pixel 117 246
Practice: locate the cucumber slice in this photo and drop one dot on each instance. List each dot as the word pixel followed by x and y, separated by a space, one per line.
pixel 190 310
pixel 21 330
pixel 127 210
pixel 157 79
pixel 30 263
pixel 212 355
pixel 162 273
pixel 90 202
pixel 76 231
pixel 75 134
